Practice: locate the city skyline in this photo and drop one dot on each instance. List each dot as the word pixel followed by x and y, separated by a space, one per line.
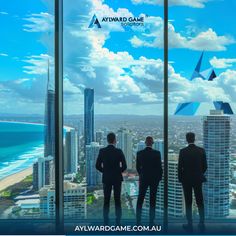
pixel 117 70
pixel 178 130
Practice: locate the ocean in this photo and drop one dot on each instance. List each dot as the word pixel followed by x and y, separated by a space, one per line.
pixel 20 146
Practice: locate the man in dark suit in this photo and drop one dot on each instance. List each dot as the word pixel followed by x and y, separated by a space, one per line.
pixel 111 162
pixel 149 168
pixel 191 168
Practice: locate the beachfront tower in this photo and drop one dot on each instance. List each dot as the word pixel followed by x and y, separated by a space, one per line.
pixel 49 133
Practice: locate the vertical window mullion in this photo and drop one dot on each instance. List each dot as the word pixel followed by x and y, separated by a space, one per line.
pixel 165 115
pixel 59 195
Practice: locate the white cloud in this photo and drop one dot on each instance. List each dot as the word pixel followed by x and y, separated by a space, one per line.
pixel 189 3
pixel 42 22
pixel 119 79
pixel 210 41
pixel 3 54
pixel 190 20
pixel 38 64
pixel 69 88
pixel 222 63
pixel 207 40
pixel 3 13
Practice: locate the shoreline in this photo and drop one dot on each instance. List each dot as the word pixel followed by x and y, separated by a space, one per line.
pixel 15 178
pixel 32 123
pixel 19 122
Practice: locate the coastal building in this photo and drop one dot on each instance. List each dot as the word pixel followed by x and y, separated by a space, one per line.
pixel 49 130
pixel 42 172
pixel 51 172
pixel 48 164
pixel 124 142
pixel 35 176
pixel 216 141
pixel 71 152
pixel 26 206
pixel 92 175
pixel 88 116
pixel 75 197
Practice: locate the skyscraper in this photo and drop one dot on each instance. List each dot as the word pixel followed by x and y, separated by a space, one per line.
pixel 92 175
pixel 124 138
pixel 88 116
pixel 35 176
pixel 159 145
pixel 71 152
pixel 49 132
pixel 216 141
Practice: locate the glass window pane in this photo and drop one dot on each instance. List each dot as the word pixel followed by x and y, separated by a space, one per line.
pixel 27 110
pixel 113 82
pixel 201 99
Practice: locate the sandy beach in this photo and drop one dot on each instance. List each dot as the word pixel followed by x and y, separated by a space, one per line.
pixel 15 178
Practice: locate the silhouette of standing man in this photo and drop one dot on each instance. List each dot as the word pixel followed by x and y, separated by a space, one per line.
pixel 111 162
pixel 149 168
pixel 191 168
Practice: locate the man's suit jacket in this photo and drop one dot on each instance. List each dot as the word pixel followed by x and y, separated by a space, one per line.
pixel 192 164
pixel 148 165
pixel 111 162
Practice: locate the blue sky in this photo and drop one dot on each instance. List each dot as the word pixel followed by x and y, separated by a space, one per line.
pixel 14 41
pixel 123 65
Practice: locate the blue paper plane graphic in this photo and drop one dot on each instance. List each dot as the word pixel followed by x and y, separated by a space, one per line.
pixel 187 108
pixel 225 106
pixel 190 108
pixel 208 74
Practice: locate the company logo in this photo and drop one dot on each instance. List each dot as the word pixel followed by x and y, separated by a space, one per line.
pixel 123 21
pixel 94 21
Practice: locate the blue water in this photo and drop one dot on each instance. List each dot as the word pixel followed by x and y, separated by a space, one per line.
pixel 20 146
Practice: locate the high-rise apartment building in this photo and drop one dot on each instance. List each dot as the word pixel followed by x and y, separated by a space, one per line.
pixel 124 142
pixel 93 176
pixel 42 172
pixel 49 130
pixel 88 116
pixel 71 152
pixel 216 141
pixel 159 145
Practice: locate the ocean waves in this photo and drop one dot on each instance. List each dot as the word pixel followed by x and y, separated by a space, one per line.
pixel 21 162
pixel 20 146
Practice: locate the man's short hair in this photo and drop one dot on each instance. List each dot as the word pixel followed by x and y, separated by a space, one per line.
pixel 190 137
pixel 111 137
pixel 149 141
